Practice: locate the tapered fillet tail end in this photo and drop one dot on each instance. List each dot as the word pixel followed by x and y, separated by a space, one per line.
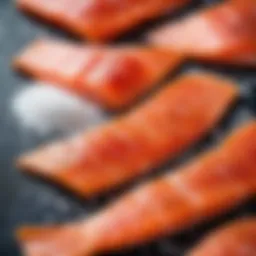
pixel 155 38
pixel 33 241
pixel 27 57
pixel 31 7
pixel 27 163
pixel 51 241
pixel 19 64
pixel 41 161
pixel 21 4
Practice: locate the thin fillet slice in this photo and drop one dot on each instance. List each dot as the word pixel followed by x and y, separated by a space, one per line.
pixel 130 146
pixel 223 33
pixel 99 20
pixel 202 189
pixel 235 239
pixel 113 76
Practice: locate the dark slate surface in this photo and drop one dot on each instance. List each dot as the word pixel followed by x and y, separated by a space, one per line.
pixel 27 200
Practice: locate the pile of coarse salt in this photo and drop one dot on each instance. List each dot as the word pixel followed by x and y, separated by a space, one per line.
pixel 44 109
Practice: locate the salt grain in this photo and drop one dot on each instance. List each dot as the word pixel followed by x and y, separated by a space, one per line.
pixel 45 109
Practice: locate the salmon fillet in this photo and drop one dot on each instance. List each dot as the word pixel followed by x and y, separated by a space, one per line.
pixel 235 239
pixel 130 146
pixel 112 76
pixel 99 20
pixel 223 33
pixel 202 189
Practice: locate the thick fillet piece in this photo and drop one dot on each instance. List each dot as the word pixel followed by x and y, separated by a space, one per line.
pixel 223 33
pixel 130 146
pixel 235 239
pixel 99 20
pixel 202 189
pixel 113 76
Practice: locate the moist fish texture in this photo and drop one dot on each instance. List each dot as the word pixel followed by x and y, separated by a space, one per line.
pixel 200 190
pixel 223 33
pixel 99 20
pixel 130 146
pixel 236 239
pixel 112 76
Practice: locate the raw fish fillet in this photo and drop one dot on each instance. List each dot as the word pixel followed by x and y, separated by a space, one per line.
pixel 202 189
pixel 99 20
pixel 117 152
pixel 113 76
pixel 236 239
pixel 223 33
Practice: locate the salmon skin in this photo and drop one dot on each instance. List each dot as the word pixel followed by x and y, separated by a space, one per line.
pixel 130 146
pixel 202 189
pixel 112 76
pixel 223 33
pixel 99 20
pixel 235 239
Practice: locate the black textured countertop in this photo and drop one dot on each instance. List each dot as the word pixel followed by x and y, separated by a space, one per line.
pixel 28 200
